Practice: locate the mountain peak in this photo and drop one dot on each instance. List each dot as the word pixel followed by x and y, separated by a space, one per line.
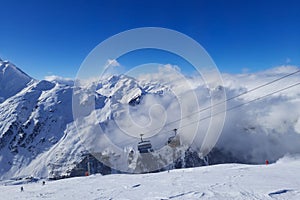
pixel 12 80
pixel 6 65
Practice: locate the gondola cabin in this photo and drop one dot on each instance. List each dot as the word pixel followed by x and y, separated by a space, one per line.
pixel 174 141
pixel 144 146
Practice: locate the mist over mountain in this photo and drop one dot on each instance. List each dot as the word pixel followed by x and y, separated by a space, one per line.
pixel 39 137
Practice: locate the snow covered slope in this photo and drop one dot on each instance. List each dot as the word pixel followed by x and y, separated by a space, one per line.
pixel 38 136
pixel 31 122
pixel 12 80
pixel 226 181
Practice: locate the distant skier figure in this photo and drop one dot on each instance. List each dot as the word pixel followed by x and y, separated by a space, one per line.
pixel 267 162
pixel 44 182
pixel 22 189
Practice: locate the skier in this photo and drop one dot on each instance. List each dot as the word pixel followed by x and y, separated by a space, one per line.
pixel 22 189
pixel 44 183
pixel 267 162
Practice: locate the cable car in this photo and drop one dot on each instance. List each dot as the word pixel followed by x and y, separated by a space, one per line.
pixel 144 146
pixel 174 141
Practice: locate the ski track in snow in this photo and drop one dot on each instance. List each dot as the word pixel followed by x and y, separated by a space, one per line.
pixel 227 181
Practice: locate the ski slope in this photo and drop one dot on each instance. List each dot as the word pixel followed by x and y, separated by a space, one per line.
pixel 280 180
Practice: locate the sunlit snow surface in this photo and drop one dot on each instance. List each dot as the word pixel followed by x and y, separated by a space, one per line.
pixel 38 136
pixel 227 181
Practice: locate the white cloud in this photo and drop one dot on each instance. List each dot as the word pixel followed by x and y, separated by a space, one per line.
pixel 59 79
pixel 266 129
pixel 283 69
pixel 111 63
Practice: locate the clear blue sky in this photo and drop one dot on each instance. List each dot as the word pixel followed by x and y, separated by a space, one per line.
pixel 46 37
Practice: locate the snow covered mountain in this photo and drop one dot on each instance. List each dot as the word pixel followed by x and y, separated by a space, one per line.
pixel 39 137
pixel 32 121
pixel 12 80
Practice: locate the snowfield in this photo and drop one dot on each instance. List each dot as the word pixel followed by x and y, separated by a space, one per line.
pixel 40 137
pixel 280 180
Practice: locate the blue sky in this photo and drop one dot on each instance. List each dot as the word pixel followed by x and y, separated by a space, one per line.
pixel 52 37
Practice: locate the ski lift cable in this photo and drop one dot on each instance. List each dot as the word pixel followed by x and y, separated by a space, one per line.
pixel 234 107
pixel 231 108
pixel 229 99
pixel 238 106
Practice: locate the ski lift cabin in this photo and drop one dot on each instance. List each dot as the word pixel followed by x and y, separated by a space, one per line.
pixel 174 141
pixel 144 146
